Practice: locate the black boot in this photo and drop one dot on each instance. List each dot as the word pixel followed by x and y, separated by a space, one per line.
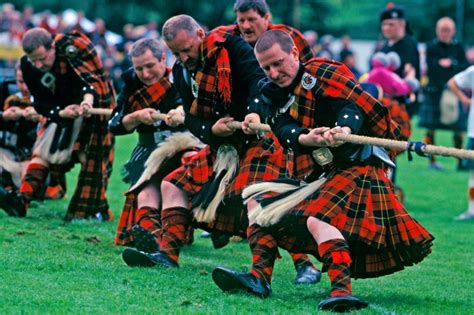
pixel 307 274
pixel 12 203
pixel 342 304
pixel 135 258
pixel 219 240
pixel 231 281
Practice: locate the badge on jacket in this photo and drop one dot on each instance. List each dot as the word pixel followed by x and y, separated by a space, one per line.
pixel 48 80
pixel 308 81
pixel 71 51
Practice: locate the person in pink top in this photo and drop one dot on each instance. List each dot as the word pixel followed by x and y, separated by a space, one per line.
pixel 382 74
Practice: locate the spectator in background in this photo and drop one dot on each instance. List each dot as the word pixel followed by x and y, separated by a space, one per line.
pixel 399 39
pixel 27 17
pixel 461 84
pixel 345 46
pixel 348 58
pixel 5 16
pixel 44 23
pixel 97 36
pixel 445 57
pixel 151 30
pixel 78 26
pixel 312 39
pixel 325 51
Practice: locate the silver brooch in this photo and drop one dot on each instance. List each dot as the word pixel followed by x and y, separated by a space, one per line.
pixel 308 81
pixel 194 87
pixel 71 51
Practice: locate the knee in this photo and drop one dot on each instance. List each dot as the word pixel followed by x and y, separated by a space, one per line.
pixel 38 160
pixel 250 209
pixel 169 190
pixel 149 198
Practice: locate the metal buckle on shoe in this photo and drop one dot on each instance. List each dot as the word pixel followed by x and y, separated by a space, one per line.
pixel 322 156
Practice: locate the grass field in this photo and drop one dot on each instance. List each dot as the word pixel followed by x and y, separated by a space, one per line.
pixel 47 266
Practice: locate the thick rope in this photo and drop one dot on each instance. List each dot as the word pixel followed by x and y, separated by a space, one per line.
pixel 417 147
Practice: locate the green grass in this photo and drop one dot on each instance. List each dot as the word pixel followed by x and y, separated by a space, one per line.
pixel 47 266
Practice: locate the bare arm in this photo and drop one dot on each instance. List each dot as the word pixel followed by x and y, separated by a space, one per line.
pixel 459 93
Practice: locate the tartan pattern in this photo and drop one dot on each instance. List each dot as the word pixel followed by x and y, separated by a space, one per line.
pixel 175 225
pixel 146 217
pixel 94 139
pixel 149 96
pixel 305 53
pixel 149 219
pixel 33 181
pixel 337 259
pixel 194 173
pixel 264 251
pixel 301 164
pixel 360 202
pixel 399 114
pixel 126 221
pixel 90 195
pixel 214 79
pixel 57 178
pixel 263 160
pixel 335 80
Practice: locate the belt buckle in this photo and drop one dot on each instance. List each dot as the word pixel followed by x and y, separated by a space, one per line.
pixel 322 156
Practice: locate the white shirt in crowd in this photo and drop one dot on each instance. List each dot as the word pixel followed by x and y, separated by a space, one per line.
pixel 465 81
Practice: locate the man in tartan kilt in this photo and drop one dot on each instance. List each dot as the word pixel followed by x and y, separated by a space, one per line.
pixel 18 131
pixel 348 218
pixel 217 77
pixel 147 90
pixel 56 71
pixel 253 19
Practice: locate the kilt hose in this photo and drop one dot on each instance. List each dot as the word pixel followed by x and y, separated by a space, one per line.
pixel 263 160
pixel 360 202
pixel 146 217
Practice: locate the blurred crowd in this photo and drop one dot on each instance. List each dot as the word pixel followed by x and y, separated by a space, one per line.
pixel 114 47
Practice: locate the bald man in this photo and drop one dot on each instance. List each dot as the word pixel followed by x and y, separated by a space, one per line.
pixel 444 58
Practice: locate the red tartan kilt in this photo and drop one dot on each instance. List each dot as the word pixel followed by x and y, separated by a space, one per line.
pixel 194 173
pixel 264 160
pixel 126 221
pixel 303 166
pixel 359 201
